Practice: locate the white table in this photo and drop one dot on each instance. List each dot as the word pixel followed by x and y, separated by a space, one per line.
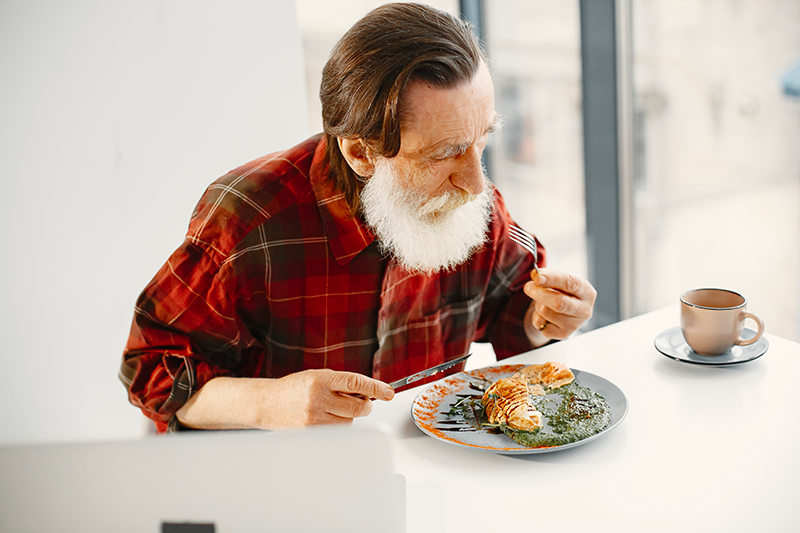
pixel 702 449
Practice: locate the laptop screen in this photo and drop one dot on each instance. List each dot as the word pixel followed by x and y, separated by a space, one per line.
pixel 326 479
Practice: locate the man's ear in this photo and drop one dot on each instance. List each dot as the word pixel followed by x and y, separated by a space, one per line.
pixel 356 154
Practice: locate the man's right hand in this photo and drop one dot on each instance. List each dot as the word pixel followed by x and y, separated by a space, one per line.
pixel 306 398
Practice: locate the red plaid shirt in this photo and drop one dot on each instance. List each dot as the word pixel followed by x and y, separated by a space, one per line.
pixel 276 276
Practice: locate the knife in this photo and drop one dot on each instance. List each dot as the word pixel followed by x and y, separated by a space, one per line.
pixel 428 372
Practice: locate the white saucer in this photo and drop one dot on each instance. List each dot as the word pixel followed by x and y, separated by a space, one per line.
pixel 672 344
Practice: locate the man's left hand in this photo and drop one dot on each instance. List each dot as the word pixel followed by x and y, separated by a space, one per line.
pixel 561 304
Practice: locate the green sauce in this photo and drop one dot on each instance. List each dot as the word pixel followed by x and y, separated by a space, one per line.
pixel 569 414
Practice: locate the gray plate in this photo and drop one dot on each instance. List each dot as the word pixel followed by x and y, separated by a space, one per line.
pixel 431 406
pixel 672 344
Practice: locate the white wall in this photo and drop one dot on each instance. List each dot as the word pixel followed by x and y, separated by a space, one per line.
pixel 114 117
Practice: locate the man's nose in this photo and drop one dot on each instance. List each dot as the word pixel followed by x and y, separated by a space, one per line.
pixel 469 175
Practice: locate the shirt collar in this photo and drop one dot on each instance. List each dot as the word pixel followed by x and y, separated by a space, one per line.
pixel 347 234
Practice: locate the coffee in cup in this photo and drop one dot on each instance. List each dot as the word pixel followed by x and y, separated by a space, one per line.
pixel 712 320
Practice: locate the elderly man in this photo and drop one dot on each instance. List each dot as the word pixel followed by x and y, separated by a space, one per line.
pixel 310 278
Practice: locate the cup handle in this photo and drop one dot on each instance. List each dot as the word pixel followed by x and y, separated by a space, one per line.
pixel 747 342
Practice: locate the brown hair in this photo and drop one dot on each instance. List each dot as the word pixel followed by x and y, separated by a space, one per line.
pixel 371 65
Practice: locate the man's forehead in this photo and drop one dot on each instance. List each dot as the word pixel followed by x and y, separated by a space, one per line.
pixel 457 143
pixel 434 117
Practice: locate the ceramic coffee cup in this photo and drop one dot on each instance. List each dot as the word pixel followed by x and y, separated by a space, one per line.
pixel 712 320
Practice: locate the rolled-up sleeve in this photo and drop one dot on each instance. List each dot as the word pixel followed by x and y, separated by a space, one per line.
pixel 184 333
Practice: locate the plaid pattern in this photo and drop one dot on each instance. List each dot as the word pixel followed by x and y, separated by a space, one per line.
pixel 276 276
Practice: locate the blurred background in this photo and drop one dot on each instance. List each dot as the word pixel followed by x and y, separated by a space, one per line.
pixel 716 177
pixel 114 116
pixel 714 197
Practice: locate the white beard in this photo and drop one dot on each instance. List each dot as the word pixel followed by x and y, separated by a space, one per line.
pixel 426 234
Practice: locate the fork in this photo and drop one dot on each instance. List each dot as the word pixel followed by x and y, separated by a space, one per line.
pixel 526 240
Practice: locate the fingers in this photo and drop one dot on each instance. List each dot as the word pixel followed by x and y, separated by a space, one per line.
pixel 343 396
pixel 553 325
pixel 313 397
pixel 359 384
pixel 563 302
pixel 347 407
pixel 562 293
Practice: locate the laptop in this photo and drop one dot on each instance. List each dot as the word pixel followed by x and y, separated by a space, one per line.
pixel 326 479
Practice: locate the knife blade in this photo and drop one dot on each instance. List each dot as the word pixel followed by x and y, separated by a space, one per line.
pixel 428 372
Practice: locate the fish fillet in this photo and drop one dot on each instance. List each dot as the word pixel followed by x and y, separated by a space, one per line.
pixel 508 402
pixel 550 374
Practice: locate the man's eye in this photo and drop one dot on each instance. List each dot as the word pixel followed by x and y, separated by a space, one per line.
pixel 451 154
pixel 444 157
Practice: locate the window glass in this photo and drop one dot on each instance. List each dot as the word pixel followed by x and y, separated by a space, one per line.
pixel 717 180
pixel 536 161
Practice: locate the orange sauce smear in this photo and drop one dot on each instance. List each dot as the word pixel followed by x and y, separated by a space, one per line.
pixel 427 406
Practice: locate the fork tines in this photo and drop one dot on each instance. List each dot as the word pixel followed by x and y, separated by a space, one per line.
pixel 526 240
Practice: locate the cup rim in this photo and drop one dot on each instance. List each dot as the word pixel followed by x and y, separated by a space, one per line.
pixel 743 304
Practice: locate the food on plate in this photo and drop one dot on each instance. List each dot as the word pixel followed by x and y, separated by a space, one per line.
pixel 539 406
pixel 508 401
pixel 550 374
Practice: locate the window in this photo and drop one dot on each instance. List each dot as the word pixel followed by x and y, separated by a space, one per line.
pixel 717 179
pixel 536 161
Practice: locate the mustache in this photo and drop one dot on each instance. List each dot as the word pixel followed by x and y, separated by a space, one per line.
pixel 445 202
